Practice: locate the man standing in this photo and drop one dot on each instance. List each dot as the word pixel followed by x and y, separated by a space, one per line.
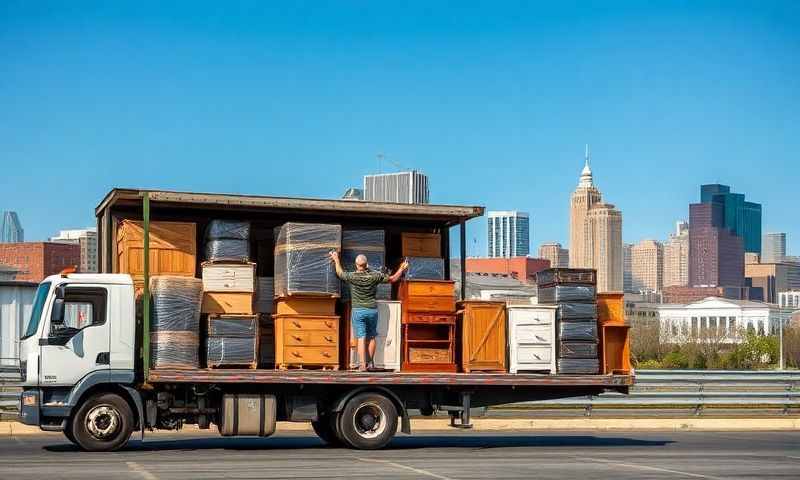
pixel 363 285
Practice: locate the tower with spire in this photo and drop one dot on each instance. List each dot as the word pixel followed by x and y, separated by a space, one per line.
pixel 595 235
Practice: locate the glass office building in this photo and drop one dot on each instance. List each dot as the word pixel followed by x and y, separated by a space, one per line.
pixel 741 217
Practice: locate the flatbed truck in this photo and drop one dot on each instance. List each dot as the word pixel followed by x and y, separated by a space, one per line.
pixel 95 383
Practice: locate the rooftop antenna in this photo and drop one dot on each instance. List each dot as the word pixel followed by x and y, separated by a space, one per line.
pixel 380 157
pixel 587 155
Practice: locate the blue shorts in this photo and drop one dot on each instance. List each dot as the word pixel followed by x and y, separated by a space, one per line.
pixel 365 322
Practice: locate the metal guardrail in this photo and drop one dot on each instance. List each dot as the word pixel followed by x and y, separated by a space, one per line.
pixel 694 389
pixel 738 389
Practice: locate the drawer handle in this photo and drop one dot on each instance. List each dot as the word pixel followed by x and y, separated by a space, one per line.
pixel 297 354
pixel 326 354
pixel 296 324
pixel 299 339
pixel 539 337
pixel 537 357
pixel 329 338
pixel 329 324
pixel 388 341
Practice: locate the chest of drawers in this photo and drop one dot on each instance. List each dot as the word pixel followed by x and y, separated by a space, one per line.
pixel 531 338
pixel 307 341
pixel 429 324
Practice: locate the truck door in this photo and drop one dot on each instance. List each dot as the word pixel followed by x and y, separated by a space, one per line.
pixel 79 338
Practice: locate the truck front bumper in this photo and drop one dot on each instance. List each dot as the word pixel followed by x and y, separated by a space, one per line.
pixel 30 401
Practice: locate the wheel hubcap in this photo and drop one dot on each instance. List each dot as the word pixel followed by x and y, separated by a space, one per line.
pixel 103 421
pixel 369 420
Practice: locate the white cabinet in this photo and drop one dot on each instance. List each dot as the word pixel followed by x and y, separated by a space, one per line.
pixel 229 277
pixel 387 348
pixel 531 338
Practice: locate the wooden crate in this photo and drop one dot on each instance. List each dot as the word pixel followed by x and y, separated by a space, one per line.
pixel 238 303
pixel 306 341
pixel 483 335
pixel 229 277
pixel 615 349
pixel 421 244
pixel 306 305
pixel 611 308
pixel 173 249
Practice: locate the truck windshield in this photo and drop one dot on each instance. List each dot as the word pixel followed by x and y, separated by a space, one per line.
pixel 36 311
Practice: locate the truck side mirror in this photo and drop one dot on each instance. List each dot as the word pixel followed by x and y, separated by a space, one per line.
pixel 60 292
pixel 57 315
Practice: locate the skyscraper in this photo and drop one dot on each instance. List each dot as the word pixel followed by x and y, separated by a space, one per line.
pixel 676 258
pixel 773 248
pixel 400 187
pixel 741 217
pixel 595 233
pixel 627 276
pixel 647 266
pixel 11 229
pixel 509 234
pixel 559 257
pixel 716 255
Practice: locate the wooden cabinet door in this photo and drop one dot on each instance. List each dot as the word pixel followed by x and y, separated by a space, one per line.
pixel 483 336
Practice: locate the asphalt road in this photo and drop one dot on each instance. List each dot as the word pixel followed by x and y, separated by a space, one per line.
pixel 445 455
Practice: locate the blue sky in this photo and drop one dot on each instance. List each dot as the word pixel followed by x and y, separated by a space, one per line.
pixel 493 100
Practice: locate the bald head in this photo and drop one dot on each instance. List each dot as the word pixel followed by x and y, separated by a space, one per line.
pixel 361 262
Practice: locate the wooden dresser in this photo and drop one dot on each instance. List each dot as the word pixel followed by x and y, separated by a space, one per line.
pixel 306 341
pixel 429 325
pixel 387 343
pixel 531 338
pixel 483 335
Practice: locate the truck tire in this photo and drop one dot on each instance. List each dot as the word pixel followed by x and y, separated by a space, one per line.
pixel 103 423
pixel 68 433
pixel 325 428
pixel 368 421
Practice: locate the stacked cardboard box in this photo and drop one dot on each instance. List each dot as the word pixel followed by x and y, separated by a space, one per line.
pixel 573 291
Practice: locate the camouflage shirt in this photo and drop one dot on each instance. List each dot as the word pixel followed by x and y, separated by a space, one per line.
pixel 363 286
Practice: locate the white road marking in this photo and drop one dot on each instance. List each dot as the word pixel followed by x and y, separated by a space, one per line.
pixel 648 467
pixel 405 467
pixel 790 456
pixel 135 467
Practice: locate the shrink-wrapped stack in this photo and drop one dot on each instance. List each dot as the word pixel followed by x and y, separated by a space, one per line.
pixel 227 240
pixel 302 262
pixel 372 244
pixel 175 324
pixel 232 340
pixel 425 268
pixel 574 292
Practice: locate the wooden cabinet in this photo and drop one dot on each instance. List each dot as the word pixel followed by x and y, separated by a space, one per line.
pixel 483 335
pixel 421 244
pixel 611 308
pixel 428 326
pixel 615 349
pixel 307 341
pixel 232 303
pixel 173 249
pixel 531 338
pixel 387 348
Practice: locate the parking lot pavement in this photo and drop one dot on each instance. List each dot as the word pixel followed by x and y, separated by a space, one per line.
pixel 440 455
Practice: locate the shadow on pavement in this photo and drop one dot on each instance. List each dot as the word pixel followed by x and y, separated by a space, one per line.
pixel 399 443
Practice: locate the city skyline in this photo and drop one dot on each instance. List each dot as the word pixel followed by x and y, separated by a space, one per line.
pixel 495 107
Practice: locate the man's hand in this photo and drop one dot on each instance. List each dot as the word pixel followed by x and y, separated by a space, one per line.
pixel 334 256
pixel 403 266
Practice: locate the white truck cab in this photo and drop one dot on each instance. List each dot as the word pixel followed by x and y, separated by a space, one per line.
pixel 81 334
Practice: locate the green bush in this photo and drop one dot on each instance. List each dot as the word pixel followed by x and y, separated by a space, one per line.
pixel 649 364
pixel 675 359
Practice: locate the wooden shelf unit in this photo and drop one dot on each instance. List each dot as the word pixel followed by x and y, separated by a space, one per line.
pixel 429 326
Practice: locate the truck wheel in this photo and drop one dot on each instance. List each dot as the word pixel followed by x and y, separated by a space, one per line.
pixel 368 421
pixel 325 429
pixel 68 433
pixel 103 423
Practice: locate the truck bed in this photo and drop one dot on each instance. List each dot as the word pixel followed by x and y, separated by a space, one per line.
pixel 348 377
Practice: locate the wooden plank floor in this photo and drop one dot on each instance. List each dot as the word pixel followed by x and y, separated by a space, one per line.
pixel 230 375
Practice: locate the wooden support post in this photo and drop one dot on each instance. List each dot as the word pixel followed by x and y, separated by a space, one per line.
pixel 463 233
pixel 146 290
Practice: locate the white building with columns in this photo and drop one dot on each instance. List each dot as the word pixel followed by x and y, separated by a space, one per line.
pixel 719 317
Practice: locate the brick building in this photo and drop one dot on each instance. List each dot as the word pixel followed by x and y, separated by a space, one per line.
pixel 36 260
pixel 522 268
pixel 716 254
